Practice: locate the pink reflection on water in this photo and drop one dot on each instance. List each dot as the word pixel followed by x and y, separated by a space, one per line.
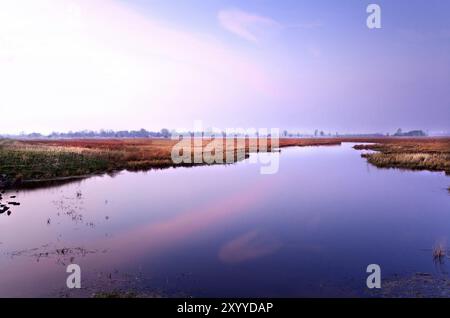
pixel 156 237
pixel 249 246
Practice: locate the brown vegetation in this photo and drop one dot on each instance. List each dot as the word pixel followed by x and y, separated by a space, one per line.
pixel 413 153
pixel 44 160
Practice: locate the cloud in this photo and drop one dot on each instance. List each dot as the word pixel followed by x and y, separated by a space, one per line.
pixel 247 247
pixel 251 27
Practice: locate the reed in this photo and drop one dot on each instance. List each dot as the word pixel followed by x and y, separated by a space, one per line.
pixel 44 160
pixel 414 154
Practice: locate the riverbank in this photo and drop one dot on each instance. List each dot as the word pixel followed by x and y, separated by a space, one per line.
pixel 41 161
pixel 431 154
pixel 34 162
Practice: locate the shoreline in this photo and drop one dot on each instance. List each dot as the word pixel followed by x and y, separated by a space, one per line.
pixel 409 155
pixel 36 163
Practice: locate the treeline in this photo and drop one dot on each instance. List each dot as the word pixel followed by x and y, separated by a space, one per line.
pixel 164 133
pixel 412 133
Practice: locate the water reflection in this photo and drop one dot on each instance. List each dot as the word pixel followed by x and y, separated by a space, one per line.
pixel 308 230
pixel 248 246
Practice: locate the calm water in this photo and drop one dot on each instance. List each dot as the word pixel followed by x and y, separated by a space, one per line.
pixel 309 230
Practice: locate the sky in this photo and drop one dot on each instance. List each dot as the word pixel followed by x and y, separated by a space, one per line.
pixel 292 64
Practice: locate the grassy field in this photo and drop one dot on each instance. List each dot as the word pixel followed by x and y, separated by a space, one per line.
pixel 32 161
pixel 414 154
pixel 44 160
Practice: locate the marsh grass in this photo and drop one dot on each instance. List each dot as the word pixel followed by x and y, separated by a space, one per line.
pixel 36 163
pixel 414 154
pixel 413 161
pixel 45 160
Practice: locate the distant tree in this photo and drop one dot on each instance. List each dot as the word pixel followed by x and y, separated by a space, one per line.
pixel 285 133
pixel 322 133
pixel 415 133
pixel 316 132
pixel 142 133
pixel 165 133
pixel 35 135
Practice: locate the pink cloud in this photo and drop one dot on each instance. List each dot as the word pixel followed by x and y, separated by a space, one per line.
pixel 246 247
pixel 248 26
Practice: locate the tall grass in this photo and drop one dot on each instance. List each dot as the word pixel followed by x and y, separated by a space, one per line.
pixel 417 154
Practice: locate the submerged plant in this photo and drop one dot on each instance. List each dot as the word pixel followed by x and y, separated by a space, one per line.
pixel 439 252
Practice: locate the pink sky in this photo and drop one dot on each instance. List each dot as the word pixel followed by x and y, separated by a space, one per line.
pixel 98 64
pixel 74 65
